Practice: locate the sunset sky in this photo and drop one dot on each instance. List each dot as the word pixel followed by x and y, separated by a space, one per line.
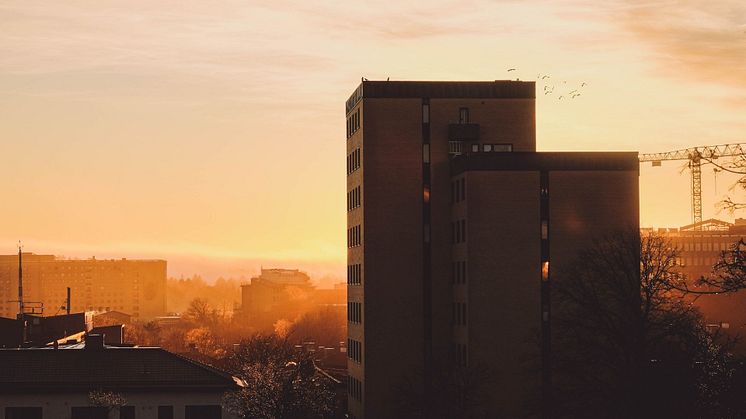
pixel 212 134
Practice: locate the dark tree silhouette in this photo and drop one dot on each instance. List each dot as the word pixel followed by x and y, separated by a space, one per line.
pixel 627 343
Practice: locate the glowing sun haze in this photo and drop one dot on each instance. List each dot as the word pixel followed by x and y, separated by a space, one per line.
pixel 216 130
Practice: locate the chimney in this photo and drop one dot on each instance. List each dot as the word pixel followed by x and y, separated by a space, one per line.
pixel 94 342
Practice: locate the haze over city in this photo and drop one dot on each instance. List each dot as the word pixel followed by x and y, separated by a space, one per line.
pixel 210 136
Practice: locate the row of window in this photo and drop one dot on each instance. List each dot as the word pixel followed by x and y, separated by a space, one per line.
pixel 354 312
pixel 703 261
pixel 459 272
pixel 497 148
pixel 354 274
pixel 355 350
pixel 354 236
pixel 354 198
pixel 459 314
pixel 458 231
pixel 353 161
pixel 353 123
pixel 706 246
pixel 461 353
pixel 458 190
pixel 354 388
pixel 125 412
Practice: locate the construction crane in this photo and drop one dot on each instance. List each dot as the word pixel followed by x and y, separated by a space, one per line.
pixel 695 156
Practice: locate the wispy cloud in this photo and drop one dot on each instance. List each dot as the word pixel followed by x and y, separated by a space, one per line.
pixel 695 40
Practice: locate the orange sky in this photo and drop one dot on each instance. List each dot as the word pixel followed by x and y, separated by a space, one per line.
pixel 183 129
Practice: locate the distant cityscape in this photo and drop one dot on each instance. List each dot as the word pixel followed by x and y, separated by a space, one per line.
pixel 463 245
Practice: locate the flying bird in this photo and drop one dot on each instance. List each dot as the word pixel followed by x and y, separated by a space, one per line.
pixel 544 77
pixel 582 84
pixel 511 69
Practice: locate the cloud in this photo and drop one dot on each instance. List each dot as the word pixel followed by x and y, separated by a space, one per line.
pixel 701 41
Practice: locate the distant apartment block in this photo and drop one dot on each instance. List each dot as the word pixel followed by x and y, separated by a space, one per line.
pixel 134 287
pixel 455 228
pixel 700 247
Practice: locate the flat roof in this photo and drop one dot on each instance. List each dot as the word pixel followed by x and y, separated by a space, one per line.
pixel 497 89
pixel 549 161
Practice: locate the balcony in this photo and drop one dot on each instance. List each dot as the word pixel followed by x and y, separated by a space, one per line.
pixel 469 132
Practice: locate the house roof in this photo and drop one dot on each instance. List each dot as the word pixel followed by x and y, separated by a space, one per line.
pixel 108 368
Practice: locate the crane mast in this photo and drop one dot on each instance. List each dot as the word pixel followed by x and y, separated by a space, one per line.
pixel 695 155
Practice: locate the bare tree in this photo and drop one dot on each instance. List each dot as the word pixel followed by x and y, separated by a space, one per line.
pixel 628 343
pixel 280 382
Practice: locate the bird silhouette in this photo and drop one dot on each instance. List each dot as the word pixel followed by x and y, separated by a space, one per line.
pixel 387 78
pixel 544 77
pixel 582 84
pixel 511 69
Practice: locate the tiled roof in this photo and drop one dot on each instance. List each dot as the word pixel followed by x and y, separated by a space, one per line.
pixel 31 370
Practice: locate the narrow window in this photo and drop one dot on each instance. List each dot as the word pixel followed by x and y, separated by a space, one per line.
pixel 463 116
pixel 426 153
pixel 475 148
pixel 545 271
pixel 425 113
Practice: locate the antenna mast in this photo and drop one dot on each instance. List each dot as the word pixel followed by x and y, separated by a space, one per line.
pixel 21 309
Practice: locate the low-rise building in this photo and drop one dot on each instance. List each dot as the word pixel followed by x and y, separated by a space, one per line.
pixel 154 383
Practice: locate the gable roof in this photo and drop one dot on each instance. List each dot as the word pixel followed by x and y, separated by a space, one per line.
pixel 109 368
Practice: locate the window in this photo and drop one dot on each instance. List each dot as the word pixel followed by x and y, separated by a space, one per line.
pixel 426 153
pixel 23 413
pixel 354 198
pixel 455 147
pixel 203 412
pixel 463 231
pixel 90 412
pixel 353 161
pixel 353 123
pixel 354 237
pixel 545 271
pixel 127 412
pixel 487 147
pixel 165 412
pixel 544 230
pixel 354 274
pixel 502 148
pixel 354 388
pixel 475 148
pixel 425 113
pixel 463 188
pixel 354 312
pixel 463 115
pixel 355 350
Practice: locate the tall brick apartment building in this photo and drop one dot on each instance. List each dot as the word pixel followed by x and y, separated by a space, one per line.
pixel 453 221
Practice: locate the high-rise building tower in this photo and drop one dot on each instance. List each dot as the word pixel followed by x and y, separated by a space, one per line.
pixel 453 219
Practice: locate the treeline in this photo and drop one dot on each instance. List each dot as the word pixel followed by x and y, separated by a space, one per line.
pixel 223 294
pixel 209 333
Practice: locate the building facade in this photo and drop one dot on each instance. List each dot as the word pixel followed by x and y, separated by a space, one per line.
pixel 134 287
pixel 450 214
pixel 700 247
pixel 154 384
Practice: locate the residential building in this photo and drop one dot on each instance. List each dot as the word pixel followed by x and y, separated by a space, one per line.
pixel 453 219
pixel 134 287
pixel 284 294
pixel 700 247
pixel 155 384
